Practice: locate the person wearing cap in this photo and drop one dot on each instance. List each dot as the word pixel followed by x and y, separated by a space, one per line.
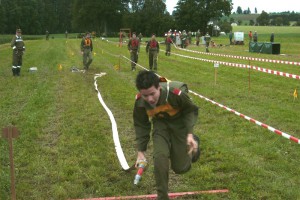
pixel 152 49
pixel 164 110
pixel 18 47
pixel 86 50
pixel 133 48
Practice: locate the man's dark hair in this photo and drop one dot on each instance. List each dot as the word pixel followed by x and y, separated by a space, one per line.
pixel 146 79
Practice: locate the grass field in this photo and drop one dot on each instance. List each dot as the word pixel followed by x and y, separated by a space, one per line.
pixel 66 151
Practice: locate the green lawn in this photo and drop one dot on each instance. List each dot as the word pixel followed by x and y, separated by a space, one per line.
pixel 66 151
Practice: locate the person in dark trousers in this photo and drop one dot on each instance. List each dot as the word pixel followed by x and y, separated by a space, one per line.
pixel 166 110
pixel 198 35
pixel 272 37
pixel 47 35
pixel 255 37
pixel 134 48
pixel 152 49
pixel 86 50
pixel 18 47
pixel 250 36
pixel 230 37
pixel 168 42
pixel 207 39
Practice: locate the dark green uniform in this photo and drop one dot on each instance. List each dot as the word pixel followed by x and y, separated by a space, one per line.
pixel 86 49
pixel 168 42
pixel 134 48
pixel 207 41
pixel 198 35
pixel 18 47
pixel 153 49
pixel 173 118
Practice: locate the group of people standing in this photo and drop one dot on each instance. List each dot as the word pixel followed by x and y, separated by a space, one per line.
pixel 152 48
pixel 254 37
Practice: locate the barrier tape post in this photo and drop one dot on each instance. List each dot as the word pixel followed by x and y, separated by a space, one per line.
pixel 216 66
pixel 9 133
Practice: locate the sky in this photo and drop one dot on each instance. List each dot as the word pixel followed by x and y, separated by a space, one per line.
pixel 266 5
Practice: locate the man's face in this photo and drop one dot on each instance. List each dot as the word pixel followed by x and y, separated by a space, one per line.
pixel 151 95
pixel 19 33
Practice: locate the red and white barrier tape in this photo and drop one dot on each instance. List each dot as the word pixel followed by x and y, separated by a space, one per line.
pixel 244 57
pixel 269 71
pixel 154 196
pixel 292 138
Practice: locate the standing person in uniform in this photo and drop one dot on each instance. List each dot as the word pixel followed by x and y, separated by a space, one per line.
pixel 250 36
pixel 134 49
pixel 140 36
pixel 47 35
pixel 198 35
pixel 172 116
pixel 230 37
pixel 255 37
pixel 86 50
pixel 18 47
pixel 153 49
pixel 207 41
pixel 168 43
pixel 272 37
pixel 66 34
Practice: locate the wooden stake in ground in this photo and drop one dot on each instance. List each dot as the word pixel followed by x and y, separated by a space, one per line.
pixel 216 66
pixel 10 133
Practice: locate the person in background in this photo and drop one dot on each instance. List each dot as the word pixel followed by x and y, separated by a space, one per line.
pixel 207 39
pixel 18 47
pixel 169 113
pixel 152 49
pixel 250 36
pixel 255 37
pixel 134 48
pixel 140 36
pixel 272 37
pixel 198 35
pixel 47 35
pixel 86 47
pixel 168 43
pixel 230 37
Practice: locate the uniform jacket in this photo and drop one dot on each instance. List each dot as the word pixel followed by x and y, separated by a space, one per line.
pixel 152 45
pixel 172 104
pixel 86 43
pixel 17 44
pixel 134 44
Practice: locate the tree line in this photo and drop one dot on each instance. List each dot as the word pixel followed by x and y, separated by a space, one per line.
pixel 107 17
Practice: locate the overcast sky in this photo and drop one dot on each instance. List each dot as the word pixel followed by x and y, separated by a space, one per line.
pixel 266 5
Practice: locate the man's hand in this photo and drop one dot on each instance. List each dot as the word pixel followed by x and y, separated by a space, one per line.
pixel 140 156
pixel 192 144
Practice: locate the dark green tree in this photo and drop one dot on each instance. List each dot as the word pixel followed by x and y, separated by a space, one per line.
pixel 239 10
pixel 195 14
pixel 102 16
pixel 263 19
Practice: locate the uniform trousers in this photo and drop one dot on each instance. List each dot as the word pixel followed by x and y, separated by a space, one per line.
pixel 169 147
pixel 153 59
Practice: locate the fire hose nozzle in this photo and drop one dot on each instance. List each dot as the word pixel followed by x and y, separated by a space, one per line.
pixel 141 166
